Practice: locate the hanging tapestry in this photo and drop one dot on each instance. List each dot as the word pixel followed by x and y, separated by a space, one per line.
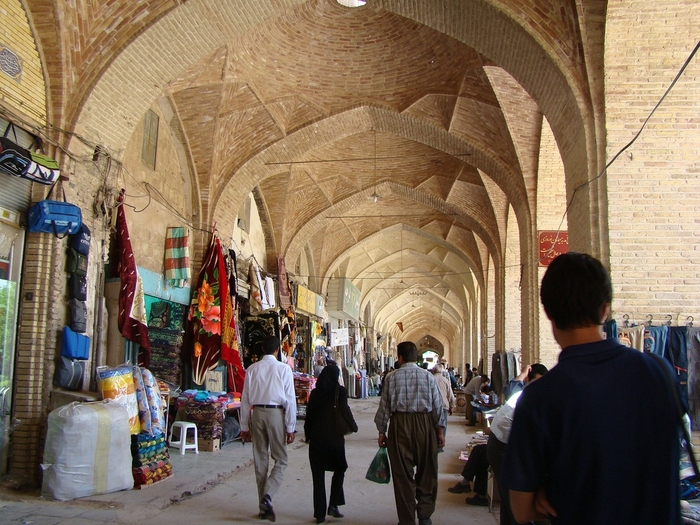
pixel 212 325
pixel 177 256
pixel 254 297
pixel 132 306
pixel 287 330
pixel 283 284
pixel 257 328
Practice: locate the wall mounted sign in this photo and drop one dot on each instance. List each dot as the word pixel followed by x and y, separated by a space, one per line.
pixel 552 243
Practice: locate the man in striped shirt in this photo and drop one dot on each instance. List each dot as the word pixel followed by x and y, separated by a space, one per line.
pixel 411 408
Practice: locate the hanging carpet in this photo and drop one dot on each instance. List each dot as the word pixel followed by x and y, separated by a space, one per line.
pixel 211 323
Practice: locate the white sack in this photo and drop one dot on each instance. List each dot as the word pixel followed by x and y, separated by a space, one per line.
pixel 88 451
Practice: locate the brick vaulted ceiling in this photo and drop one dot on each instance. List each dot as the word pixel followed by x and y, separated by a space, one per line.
pixel 434 105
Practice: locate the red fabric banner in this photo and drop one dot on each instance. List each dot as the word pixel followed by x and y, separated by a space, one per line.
pixel 132 320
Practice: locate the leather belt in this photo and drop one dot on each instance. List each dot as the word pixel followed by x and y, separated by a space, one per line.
pixel 269 406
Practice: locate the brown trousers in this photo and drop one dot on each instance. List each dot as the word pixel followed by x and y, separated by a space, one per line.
pixel 414 465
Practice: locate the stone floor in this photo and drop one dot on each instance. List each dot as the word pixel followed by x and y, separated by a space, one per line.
pixel 219 488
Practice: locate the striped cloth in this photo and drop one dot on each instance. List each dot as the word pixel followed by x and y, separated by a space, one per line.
pixel 177 256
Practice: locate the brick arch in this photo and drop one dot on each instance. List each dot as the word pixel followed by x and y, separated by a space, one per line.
pixel 303 236
pixel 556 84
pixel 448 302
pixel 368 294
pixel 363 119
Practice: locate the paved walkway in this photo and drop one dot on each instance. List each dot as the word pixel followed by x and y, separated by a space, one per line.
pixel 219 488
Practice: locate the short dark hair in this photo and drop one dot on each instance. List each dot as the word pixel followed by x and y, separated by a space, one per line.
pixel 575 289
pixel 270 344
pixel 538 369
pixel 485 379
pixel 408 351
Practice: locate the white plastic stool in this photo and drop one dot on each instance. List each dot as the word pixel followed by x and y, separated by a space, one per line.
pixel 181 442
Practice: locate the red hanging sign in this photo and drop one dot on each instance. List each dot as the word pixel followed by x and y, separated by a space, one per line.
pixel 552 244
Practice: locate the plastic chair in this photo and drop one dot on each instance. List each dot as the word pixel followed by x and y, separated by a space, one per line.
pixel 181 442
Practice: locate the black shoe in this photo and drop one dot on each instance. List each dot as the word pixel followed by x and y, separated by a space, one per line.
pixel 320 520
pixel 481 501
pixel 425 521
pixel 266 510
pixel 459 489
pixel 333 511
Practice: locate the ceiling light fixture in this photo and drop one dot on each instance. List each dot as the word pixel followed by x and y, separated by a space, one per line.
pixel 352 3
pixel 375 196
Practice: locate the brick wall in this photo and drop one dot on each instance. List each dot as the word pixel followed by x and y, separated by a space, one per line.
pixel 551 203
pixel 653 187
pixel 26 90
pixel 513 325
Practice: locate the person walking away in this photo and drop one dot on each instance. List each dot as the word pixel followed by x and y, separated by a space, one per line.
pixel 446 394
pixel 411 408
pixel 499 432
pixel 560 463
pixel 268 391
pixel 328 416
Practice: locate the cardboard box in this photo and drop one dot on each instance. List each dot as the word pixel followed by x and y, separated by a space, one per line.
pixel 209 445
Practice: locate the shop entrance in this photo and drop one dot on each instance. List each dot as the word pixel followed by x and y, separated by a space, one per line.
pixel 11 248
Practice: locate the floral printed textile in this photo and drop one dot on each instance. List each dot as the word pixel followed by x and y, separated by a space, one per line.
pixel 211 323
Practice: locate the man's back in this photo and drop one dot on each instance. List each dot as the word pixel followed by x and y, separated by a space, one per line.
pixel 600 432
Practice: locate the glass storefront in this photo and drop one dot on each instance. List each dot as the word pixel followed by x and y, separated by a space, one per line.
pixel 11 247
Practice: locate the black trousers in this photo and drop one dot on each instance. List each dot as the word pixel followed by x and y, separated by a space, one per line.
pixel 496 450
pixel 477 468
pixel 337 494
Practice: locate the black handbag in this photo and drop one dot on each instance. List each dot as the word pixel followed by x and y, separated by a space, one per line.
pixel 340 424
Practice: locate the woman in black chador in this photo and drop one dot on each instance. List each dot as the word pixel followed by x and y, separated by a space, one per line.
pixel 328 419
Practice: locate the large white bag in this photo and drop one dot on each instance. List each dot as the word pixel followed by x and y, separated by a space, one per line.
pixel 88 451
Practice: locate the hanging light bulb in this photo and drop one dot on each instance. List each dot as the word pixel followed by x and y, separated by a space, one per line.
pixel 375 196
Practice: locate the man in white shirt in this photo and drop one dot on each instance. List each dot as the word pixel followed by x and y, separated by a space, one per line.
pixel 269 391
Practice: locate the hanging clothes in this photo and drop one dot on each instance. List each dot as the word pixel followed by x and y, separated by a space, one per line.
pixel 678 355
pixel 636 337
pixel 230 349
pixel 694 376
pixel 610 329
pixel 655 339
pixel 497 372
pixel 132 321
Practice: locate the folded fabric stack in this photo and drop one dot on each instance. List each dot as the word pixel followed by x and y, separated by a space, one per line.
pixel 209 417
pixel 151 459
pixel 152 473
pixel 166 347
